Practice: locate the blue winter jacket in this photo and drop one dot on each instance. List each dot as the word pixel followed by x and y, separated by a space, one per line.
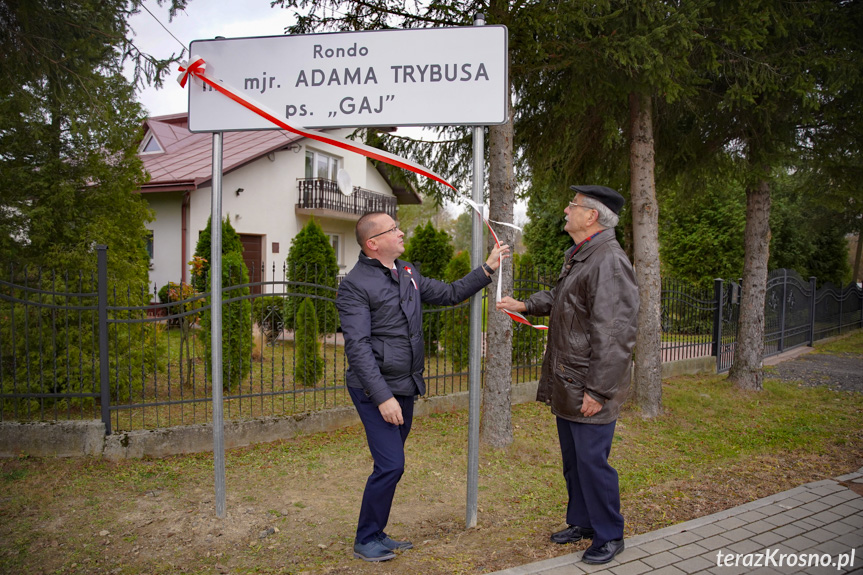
pixel 382 323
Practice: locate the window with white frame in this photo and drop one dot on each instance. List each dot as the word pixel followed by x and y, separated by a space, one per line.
pixel 320 165
pixel 336 242
pixel 148 239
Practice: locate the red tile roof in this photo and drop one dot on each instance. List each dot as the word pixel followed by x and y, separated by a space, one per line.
pixel 186 162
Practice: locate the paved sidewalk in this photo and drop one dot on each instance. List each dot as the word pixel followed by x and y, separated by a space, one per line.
pixel 818 522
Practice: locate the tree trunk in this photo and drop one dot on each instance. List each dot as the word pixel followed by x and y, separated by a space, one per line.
pixel 647 385
pixel 496 423
pixel 746 370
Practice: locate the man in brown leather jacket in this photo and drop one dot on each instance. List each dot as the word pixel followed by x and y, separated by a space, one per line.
pixel 592 313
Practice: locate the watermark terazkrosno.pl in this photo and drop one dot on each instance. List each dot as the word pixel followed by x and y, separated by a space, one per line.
pixel 775 558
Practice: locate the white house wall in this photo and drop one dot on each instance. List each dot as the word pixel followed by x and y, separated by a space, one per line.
pixel 167 264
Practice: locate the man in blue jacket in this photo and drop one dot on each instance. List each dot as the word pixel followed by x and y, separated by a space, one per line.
pixel 380 307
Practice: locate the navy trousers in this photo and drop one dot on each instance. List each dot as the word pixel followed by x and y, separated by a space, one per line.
pixel 387 445
pixel 592 485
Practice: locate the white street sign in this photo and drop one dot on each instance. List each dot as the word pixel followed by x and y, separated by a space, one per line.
pixel 421 77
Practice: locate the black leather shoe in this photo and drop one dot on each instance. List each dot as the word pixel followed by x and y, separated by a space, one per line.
pixel 395 544
pixel 603 554
pixel 374 550
pixel 572 534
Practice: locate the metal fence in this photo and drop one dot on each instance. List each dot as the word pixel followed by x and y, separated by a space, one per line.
pixel 796 313
pixel 79 347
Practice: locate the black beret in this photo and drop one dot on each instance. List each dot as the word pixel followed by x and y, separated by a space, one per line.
pixel 611 199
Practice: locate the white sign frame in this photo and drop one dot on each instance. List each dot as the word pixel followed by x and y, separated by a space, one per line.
pixel 416 77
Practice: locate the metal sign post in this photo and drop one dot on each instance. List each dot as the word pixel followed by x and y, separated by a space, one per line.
pixel 475 354
pixel 216 324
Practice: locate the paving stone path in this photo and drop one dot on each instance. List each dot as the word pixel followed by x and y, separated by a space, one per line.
pixel 814 529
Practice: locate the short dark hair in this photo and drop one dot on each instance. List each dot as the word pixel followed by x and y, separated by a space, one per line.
pixel 365 227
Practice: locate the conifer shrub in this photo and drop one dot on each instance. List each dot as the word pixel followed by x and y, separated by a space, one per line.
pixel 231 242
pixel 49 342
pixel 309 365
pixel 312 271
pixel 456 321
pixel 430 250
pixel 236 323
pixel 528 344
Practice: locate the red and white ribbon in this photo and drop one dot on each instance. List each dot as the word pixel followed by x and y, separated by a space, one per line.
pixel 197 68
pixel 481 210
pixel 521 319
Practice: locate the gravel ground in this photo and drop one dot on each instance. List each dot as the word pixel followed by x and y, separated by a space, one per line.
pixel 842 372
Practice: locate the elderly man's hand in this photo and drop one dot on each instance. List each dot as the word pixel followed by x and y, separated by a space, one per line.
pixel 590 406
pixel 511 304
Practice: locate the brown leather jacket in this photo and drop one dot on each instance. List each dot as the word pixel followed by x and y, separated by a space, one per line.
pixel 592 321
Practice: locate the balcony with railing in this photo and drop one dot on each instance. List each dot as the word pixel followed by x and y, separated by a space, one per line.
pixel 321 197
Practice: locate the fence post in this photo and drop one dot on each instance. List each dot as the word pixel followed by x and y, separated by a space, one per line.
pixel 840 310
pixel 781 345
pixel 102 291
pixel 811 311
pixel 718 292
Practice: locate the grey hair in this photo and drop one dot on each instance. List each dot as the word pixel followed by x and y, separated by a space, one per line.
pixel 607 218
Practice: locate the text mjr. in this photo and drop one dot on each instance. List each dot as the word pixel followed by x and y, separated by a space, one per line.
pixel 402 74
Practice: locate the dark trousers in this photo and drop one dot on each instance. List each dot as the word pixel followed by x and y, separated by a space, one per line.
pixel 594 493
pixel 387 445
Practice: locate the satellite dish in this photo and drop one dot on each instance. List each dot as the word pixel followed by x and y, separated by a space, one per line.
pixel 344 180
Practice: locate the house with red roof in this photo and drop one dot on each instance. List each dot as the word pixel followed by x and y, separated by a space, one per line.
pixel 273 182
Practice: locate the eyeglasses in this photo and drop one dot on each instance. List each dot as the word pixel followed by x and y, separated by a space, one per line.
pixel 574 205
pixel 392 230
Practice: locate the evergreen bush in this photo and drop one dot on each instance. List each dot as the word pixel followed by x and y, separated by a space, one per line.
pixel 311 260
pixel 236 324
pixel 528 344
pixel 309 365
pixel 230 243
pixel 456 321
pixel 51 345
pixel 430 250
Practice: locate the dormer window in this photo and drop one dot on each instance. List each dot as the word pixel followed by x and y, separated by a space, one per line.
pixel 150 145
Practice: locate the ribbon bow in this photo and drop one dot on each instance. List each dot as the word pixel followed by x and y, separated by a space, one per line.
pixel 198 66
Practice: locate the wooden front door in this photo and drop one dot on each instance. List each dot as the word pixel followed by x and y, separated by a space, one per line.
pixel 253 256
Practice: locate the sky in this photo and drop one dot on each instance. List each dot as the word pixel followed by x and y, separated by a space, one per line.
pixel 204 19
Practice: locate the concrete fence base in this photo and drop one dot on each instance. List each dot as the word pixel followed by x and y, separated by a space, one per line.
pixel 87 438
